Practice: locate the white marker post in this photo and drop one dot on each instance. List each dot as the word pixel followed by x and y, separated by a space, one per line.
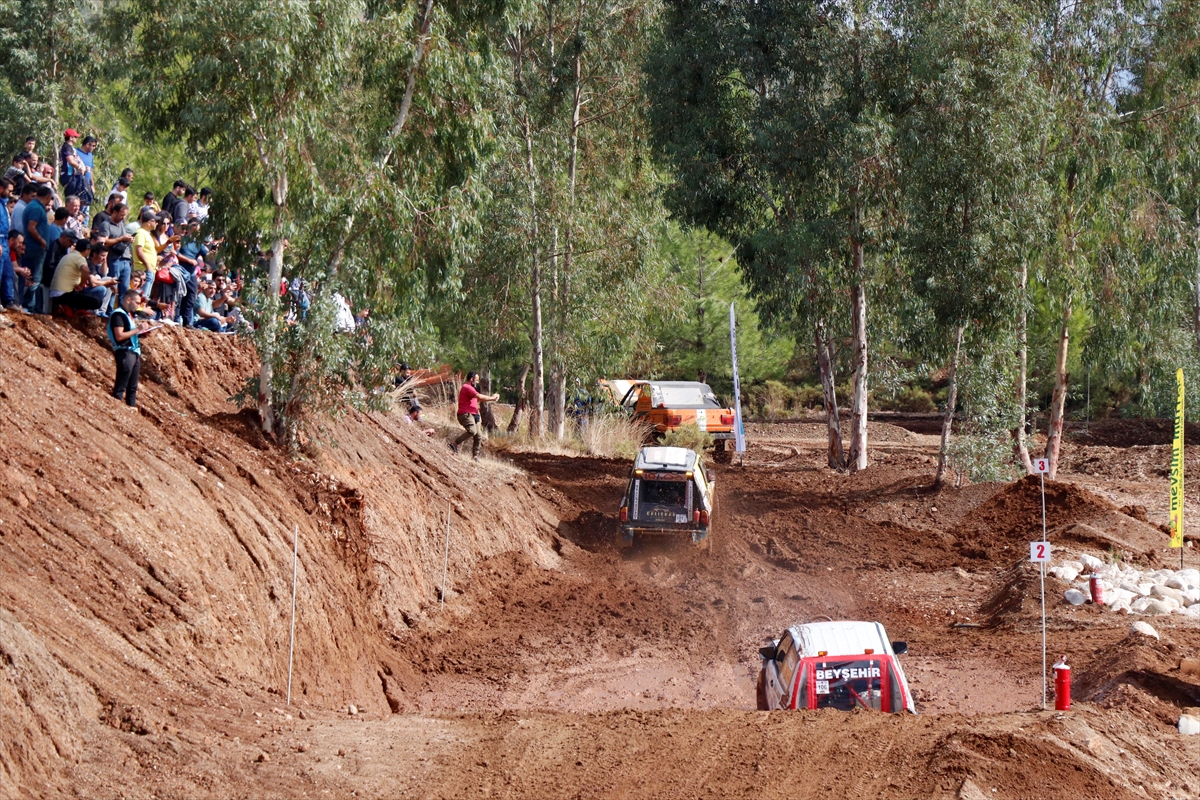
pixel 1040 553
pixel 739 434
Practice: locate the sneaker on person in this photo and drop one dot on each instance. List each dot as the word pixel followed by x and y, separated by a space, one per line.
pixel 453 447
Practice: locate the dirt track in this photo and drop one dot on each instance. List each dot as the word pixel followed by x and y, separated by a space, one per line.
pixel 142 630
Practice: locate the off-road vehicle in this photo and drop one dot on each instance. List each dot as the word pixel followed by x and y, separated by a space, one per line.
pixel 669 405
pixel 839 665
pixel 669 496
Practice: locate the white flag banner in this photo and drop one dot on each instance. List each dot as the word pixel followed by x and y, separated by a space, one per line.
pixel 738 433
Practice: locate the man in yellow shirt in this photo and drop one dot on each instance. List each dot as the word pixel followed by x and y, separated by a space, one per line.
pixel 72 285
pixel 145 254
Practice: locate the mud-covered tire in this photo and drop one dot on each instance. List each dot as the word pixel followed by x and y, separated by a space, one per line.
pixel 760 692
pixel 722 454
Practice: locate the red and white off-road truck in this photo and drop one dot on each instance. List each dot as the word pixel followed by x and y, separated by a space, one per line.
pixel 839 665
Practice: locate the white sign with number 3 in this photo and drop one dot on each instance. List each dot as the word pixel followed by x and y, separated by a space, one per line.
pixel 1041 465
pixel 1039 551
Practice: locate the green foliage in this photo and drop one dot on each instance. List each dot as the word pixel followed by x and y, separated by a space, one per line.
pixel 688 436
pixel 694 338
pixel 46 72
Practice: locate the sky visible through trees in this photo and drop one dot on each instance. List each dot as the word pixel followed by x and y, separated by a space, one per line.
pixel 991 202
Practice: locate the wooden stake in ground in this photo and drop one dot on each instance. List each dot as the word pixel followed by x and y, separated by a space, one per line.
pixel 446 562
pixel 292 634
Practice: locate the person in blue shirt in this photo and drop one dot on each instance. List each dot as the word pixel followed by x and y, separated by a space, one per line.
pixel 8 278
pixel 37 234
pixel 85 153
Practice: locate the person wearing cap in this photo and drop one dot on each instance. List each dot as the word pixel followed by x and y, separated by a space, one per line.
pixel 68 160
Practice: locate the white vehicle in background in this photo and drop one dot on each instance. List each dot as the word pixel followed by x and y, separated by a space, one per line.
pixel 839 665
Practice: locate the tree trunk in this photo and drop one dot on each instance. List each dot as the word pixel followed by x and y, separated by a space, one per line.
pixel 487 413
pixel 1018 433
pixel 1058 402
pixel 557 393
pixel 410 83
pixel 266 411
pixel 537 408
pixel 858 405
pixel 557 408
pixel 836 457
pixel 951 403
pixel 522 387
pixel 1196 285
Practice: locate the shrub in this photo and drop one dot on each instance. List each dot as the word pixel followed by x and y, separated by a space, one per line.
pixel 613 435
pixel 688 436
pixel 804 397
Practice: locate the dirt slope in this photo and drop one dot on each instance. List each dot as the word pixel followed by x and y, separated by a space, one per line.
pixel 145 567
pixel 145 559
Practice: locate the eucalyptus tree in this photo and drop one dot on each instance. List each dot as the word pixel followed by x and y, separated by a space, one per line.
pixel 587 188
pixel 1161 120
pixel 774 117
pixel 47 68
pixel 966 138
pixel 355 134
pixel 1083 51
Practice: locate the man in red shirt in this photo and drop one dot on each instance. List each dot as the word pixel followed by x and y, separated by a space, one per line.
pixel 468 413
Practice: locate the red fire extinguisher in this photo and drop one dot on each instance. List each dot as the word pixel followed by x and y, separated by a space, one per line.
pixel 1097 589
pixel 1062 685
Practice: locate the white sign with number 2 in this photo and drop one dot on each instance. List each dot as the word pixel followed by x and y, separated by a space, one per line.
pixel 1039 551
pixel 1041 465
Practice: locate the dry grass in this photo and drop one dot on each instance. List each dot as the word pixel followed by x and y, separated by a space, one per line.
pixel 607 436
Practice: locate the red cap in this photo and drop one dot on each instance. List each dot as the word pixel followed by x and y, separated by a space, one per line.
pixel 70 132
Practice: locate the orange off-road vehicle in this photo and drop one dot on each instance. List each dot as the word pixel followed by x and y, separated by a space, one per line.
pixel 669 405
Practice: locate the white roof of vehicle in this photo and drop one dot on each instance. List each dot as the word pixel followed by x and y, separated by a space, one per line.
pixel 665 458
pixel 841 638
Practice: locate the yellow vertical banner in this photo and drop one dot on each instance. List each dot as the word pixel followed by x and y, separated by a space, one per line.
pixel 1177 468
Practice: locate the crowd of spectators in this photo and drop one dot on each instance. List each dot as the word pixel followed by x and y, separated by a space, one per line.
pixel 69 250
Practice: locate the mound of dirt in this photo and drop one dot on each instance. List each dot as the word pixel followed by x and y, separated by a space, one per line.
pixel 1012 517
pixel 1129 432
pixel 1141 673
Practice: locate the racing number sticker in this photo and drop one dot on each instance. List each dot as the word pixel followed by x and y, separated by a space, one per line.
pixel 822 687
pixel 1041 465
pixel 1039 551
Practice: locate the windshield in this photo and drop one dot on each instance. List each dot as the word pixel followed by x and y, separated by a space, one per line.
pixel 844 684
pixel 695 396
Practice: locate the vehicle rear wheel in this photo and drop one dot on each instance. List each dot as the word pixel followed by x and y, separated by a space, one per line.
pixel 722 454
pixel 761 692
